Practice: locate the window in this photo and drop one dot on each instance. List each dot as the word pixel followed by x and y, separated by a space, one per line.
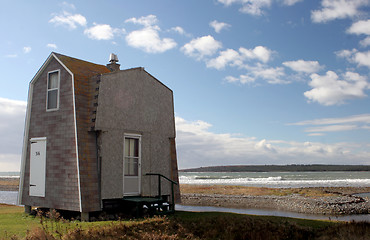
pixel 52 102
pixel 131 156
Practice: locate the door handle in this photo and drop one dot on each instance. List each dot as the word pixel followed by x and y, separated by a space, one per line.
pixel 32 185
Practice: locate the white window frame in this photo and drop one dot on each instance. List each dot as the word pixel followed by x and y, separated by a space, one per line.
pixel 53 89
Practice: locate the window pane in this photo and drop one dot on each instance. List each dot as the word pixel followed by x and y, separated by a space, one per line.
pixel 131 147
pixel 127 146
pixel 136 148
pixel 126 166
pixel 131 166
pixel 53 80
pixel 52 99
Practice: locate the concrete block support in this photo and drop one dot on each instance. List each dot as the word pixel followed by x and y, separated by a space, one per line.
pixel 27 209
pixel 85 216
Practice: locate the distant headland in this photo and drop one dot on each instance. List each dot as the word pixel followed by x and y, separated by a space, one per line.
pixel 280 168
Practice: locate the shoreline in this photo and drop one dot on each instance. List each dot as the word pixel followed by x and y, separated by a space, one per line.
pixel 312 200
pixel 325 201
pixel 9 184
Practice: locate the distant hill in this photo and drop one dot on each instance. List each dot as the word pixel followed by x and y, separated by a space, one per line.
pixel 280 168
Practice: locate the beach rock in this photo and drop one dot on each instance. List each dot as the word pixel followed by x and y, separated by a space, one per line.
pixel 333 205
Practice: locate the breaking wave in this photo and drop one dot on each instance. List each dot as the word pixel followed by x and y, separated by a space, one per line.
pixel 290 181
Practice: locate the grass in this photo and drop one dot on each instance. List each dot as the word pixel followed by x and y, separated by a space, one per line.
pixel 254 191
pixel 14 224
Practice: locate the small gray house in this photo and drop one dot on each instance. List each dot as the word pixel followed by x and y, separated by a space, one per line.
pixel 97 137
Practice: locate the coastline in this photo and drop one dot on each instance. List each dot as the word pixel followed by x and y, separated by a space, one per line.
pixel 9 183
pixel 331 201
pixel 312 200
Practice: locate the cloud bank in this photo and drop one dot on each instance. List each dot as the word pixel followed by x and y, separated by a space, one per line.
pixel 198 146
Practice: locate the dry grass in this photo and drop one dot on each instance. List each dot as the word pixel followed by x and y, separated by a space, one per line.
pixel 254 191
pixel 9 184
pixel 209 226
pixel 182 225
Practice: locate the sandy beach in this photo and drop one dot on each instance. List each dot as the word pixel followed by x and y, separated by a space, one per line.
pixel 333 201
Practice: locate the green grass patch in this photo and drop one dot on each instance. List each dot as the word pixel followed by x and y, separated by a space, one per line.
pixel 14 224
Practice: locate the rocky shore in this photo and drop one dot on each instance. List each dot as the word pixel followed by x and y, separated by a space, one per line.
pixel 338 204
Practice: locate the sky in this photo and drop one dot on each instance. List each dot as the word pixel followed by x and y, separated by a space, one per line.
pixel 254 81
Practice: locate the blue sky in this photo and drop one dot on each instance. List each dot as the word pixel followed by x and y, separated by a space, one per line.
pixel 254 81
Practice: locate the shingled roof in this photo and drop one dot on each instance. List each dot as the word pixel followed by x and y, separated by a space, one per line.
pixel 81 68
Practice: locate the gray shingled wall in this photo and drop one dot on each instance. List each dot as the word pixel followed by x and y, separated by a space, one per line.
pixel 58 126
pixel 132 101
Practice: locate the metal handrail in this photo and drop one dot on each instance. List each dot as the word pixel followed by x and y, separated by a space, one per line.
pixel 172 206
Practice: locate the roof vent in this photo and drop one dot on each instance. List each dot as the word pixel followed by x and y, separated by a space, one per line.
pixel 113 65
pixel 113 58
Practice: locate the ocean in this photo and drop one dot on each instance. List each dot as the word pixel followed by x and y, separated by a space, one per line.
pixel 278 179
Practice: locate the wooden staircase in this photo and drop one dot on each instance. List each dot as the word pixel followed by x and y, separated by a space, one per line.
pixel 143 205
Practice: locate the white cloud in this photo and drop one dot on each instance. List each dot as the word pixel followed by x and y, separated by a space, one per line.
pixel 229 2
pixel 361 119
pixel 272 75
pixel 225 58
pixel 11 56
pixel 330 89
pixel 147 38
pixel 291 2
pixel 303 66
pixel 102 32
pixel 149 41
pixel 201 47
pixel 362 58
pixel 337 9
pixel 10 162
pixel 256 7
pixel 346 53
pixel 179 30
pixel 68 5
pixel 12 115
pixel 365 42
pixel 198 146
pixel 315 134
pixel 324 125
pixel 234 58
pixel 69 20
pixel 332 128
pixel 265 146
pixel 27 49
pixel 218 26
pixel 260 52
pixel 360 27
pixel 146 21
pixel 354 56
pixel 51 45
pixel 243 79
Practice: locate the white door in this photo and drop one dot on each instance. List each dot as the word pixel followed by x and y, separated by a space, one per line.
pixel 37 167
pixel 132 165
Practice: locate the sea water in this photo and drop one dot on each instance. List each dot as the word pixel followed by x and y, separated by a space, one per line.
pixel 278 179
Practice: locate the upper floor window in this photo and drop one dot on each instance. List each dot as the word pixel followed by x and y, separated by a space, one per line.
pixel 52 102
